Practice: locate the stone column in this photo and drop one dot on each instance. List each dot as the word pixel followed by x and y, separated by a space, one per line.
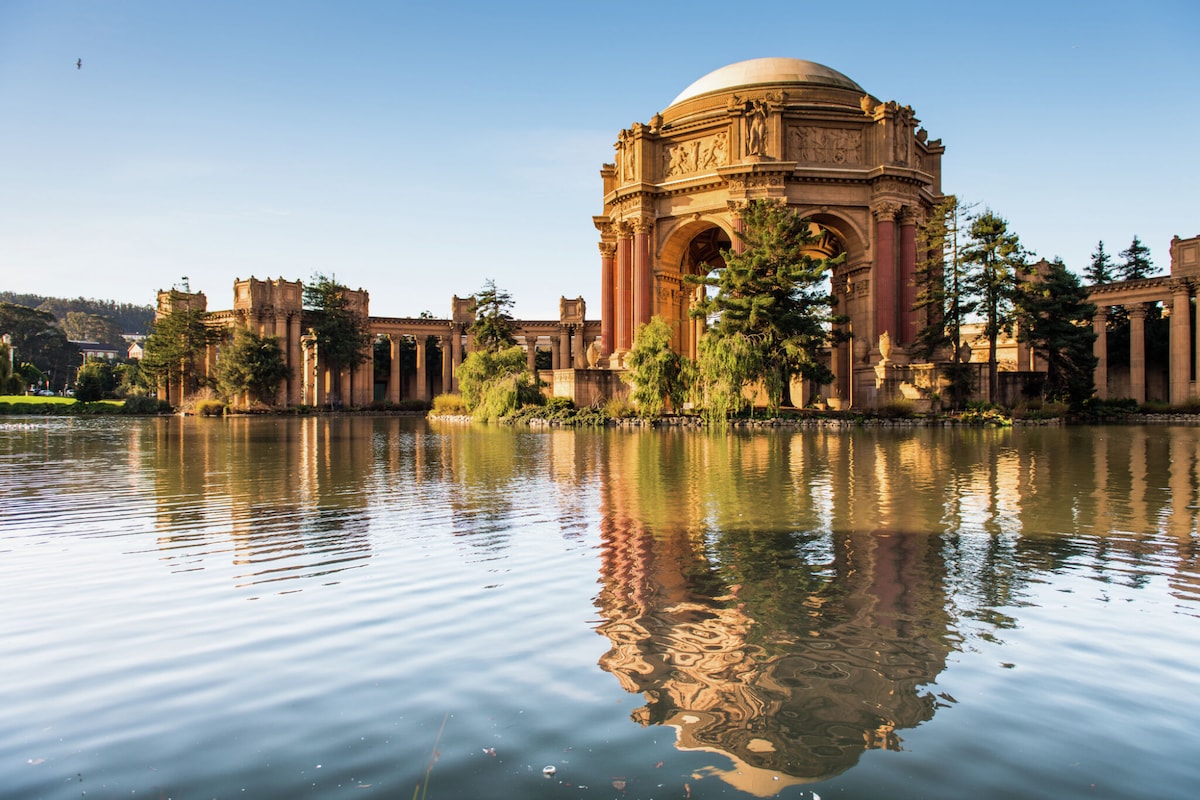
pixel 563 361
pixel 1137 352
pixel 885 269
pixel 735 218
pixel 422 387
pixel 643 287
pixel 1181 344
pixel 580 347
pixel 908 274
pixel 393 393
pixel 295 360
pixel 456 355
pixel 447 364
pixel 531 353
pixel 553 352
pixel 624 267
pixel 608 291
pixel 1100 351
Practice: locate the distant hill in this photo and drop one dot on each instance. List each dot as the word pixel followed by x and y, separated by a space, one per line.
pixel 127 317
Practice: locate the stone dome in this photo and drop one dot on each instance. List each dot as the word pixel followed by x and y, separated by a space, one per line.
pixel 767 72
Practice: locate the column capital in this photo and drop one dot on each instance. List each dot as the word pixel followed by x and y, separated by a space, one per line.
pixel 885 210
pixel 909 215
pixel 643 226
pixel 624 229
pixel 1101 313
pixel 1137 311
pixel 607 249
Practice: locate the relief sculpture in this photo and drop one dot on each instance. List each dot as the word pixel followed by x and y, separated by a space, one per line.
pixel 825 145
pixel 696 155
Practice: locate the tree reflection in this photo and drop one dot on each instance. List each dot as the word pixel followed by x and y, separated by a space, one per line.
pixel 787 599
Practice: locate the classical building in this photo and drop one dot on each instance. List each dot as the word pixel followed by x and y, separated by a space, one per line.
pixel 861 169
pixel 436 347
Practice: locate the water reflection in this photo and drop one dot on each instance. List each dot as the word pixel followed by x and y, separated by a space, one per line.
pixel 281 499
pixel 783 599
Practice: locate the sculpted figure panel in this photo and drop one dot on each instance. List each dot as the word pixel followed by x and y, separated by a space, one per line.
pixel 697 155
pixel 825 145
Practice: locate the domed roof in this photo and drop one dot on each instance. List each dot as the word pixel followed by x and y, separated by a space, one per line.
pixel 767 71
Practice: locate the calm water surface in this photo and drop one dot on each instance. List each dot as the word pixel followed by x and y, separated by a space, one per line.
pixel 356 607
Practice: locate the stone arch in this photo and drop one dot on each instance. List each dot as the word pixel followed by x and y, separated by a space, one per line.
pixel 685 246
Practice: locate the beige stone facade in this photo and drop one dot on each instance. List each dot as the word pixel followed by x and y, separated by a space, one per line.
pixel 861 169
pixel 275 308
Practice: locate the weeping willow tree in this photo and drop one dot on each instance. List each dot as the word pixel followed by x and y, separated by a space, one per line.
pixel 655 370
pixel 773 311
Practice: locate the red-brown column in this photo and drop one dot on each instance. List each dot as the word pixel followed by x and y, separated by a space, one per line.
pixel 608 292
pixel 624 297
pixel 908 274
pixel 885 269
pixel 735 216
pixel 642 285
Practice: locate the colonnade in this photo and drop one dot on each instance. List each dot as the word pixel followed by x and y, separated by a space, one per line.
pixel 1177 296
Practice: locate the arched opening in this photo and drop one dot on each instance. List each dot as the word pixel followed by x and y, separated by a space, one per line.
pixel 694 249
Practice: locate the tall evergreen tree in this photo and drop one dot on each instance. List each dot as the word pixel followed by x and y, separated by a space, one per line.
pixel 1135 261
pixel 339 331
pixel 773 299
pixel 175 349
pixel 942 303
pixel 494 328
pixel 252 364
pixel 995 261
pixel 1101 268
pixel 1056 321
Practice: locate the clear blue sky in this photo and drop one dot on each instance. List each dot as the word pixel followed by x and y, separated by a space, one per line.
pixel 418 149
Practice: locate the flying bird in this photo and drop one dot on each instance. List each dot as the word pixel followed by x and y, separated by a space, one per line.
pixel 79 64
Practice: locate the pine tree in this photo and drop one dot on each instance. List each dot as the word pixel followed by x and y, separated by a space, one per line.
pixel 494 326
pixel 941 300
pixel 995 261
pixel 1101 268
pixel 772 298
pixel 176 347
pixel 1135 262
pixel 340 332
pixel 1056 321
pixel 252 363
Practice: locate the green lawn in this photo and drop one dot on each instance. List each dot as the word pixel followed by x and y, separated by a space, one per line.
pixel 35 400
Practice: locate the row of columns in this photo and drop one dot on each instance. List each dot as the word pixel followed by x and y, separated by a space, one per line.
pixel 568 350
pixel 627 285
pixel 895 271
pixel 1184 341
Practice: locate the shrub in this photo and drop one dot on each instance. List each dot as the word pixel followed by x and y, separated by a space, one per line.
pixel 899 408
pixel 141 404
pixel 448 405
pixel 618 408
pixel 209 408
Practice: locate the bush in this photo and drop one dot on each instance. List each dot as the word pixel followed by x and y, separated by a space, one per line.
pixel 900 408
pixel 145 405
pixel 209 408
pixel 618 408
pixel 448 405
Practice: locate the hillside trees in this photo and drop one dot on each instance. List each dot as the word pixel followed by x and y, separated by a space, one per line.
pixel 37 340
pixel 772 307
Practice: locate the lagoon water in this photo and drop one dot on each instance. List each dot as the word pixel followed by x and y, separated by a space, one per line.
pixel 341 607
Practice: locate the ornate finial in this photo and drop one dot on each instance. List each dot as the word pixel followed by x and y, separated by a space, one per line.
pixel 868 105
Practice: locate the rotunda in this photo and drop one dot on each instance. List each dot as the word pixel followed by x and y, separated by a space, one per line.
pixel 859 169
